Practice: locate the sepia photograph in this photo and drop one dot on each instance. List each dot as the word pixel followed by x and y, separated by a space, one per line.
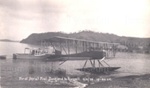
pixel 74 43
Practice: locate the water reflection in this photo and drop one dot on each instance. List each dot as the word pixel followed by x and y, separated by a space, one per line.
pixel 31 68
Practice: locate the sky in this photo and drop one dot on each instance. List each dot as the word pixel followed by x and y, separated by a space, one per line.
pixel 20 18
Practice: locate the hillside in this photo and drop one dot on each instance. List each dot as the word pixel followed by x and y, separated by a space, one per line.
pixel 130 42
pixel 87 35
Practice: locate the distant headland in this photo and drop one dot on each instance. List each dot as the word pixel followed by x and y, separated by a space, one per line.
pixel 7 40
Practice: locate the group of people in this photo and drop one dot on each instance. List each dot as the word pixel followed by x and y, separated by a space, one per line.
pixel 38 51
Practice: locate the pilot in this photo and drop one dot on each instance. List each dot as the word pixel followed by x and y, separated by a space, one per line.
pixel 57 52
pixel 33 52
pixel 91 49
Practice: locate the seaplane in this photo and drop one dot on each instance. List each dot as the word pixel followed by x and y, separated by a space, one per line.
pixel 65 49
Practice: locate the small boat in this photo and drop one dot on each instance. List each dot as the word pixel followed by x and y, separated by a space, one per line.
pixel 2 56
pixel 31 54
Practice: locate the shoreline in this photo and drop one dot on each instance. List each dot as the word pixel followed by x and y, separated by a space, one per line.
pixel 131 81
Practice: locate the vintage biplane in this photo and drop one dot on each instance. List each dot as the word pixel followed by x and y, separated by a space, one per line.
pixel 75 49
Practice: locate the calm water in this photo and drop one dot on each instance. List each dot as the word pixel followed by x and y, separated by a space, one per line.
pixel 13 70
